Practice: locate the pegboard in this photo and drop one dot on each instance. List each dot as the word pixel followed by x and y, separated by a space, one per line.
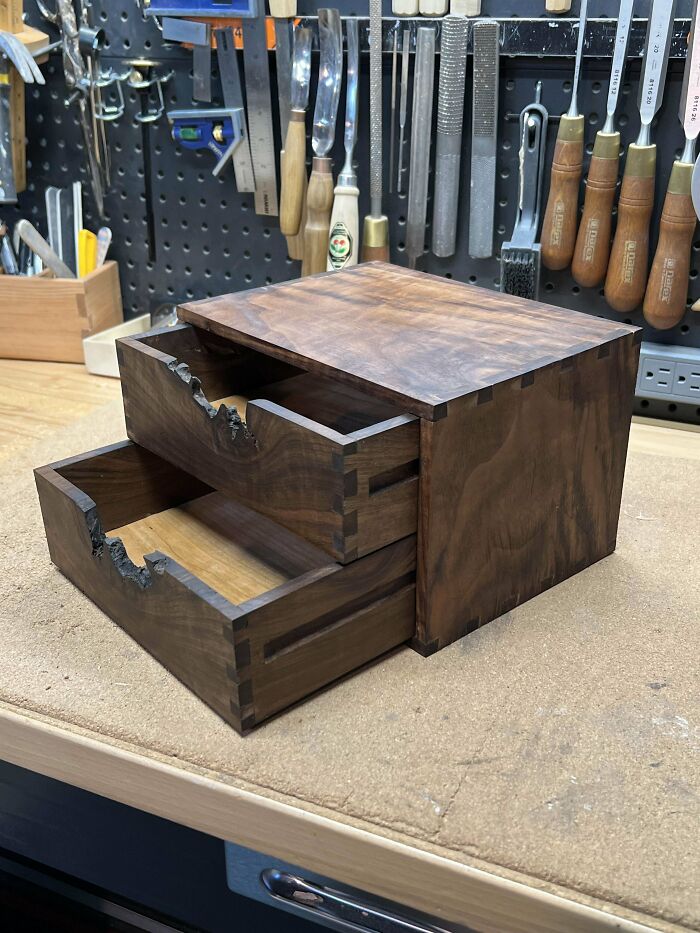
pixel 209 239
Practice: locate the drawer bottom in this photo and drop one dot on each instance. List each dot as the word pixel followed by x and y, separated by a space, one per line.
pixel 248 615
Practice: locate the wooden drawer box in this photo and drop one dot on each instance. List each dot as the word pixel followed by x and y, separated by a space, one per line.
pixel 324 469
pixel 325 460
pixel 44 318
pixel 248 615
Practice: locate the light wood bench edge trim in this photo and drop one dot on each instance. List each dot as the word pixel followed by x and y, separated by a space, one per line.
pixel 441 887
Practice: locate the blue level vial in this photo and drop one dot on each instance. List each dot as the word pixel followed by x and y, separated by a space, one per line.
pixel 214 8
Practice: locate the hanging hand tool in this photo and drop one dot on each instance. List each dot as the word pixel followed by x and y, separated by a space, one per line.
pixel 626 279
pixel 319 197
pixel 12 52
pixel 294 163
pixel 432 7
pixel 392 123
pixel 38 245
pixel 375 232
pixel 465 7
pixel 592 249
pixel 403 104
pixel 404 7
pixel 421 124
pixel 283 68
pixel 561 215
pixel 81 88
pixel 448 147
pixel 520 256
pixel 142 79
pixel 667 288
pixel 257 85
pixel 238 149
pixel 198 35
pixel 485 40
pixel 342 242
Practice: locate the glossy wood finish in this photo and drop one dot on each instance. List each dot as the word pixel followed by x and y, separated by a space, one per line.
pixel 323 459
pixel 300 620
pixel 626 278
pixel 667 288
pixel 413 339
pixel 520 489
pixel 559 226
pixel 592 252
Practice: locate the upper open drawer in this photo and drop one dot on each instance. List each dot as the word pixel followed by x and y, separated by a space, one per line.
pixel 323 459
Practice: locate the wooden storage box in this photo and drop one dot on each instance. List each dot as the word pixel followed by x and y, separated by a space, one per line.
pixel 251 617
pixel 45 318
pixel 436 453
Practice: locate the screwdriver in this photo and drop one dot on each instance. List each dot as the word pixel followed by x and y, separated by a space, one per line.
pixel 667 288
pixel 593 242
pixel 627 270
pixel 559 227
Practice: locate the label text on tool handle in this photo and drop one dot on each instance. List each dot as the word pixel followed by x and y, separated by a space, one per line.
pixel 620 53
pixel 651 81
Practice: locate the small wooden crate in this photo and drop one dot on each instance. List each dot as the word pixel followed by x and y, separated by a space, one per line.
pixel 44 318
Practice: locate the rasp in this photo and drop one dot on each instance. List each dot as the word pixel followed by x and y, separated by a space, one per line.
pixel 448 147
pixel 421 122
pixel 626 279
pixel 375 233
pixel 485 40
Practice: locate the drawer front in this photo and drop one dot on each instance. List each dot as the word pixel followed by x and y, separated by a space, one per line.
pixel 251 617
pixel 350 492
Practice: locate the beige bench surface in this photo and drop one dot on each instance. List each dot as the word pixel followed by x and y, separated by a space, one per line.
pixel 542 773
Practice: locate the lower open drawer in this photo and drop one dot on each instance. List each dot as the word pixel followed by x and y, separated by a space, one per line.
pixel 248 615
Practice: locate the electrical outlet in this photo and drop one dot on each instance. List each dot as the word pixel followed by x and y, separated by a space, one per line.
pixel 669 373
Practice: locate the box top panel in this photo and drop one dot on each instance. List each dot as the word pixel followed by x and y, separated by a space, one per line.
pixel 414 339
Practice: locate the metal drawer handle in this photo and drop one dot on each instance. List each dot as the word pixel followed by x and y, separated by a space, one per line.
pixel 325 901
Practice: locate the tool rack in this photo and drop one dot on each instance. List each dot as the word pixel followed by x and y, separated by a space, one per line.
pixel 209 239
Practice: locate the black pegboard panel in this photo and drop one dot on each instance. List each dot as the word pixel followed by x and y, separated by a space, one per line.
pixel 209 239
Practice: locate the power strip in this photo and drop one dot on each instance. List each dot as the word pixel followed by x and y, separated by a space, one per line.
pixel 670 374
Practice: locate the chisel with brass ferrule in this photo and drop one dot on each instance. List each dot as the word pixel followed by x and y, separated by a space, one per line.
pixel 592 250
pixel 667 288
pixel 375 232
pixel 342 242
pixel 561 216
pixel 319 196
pixel 626 280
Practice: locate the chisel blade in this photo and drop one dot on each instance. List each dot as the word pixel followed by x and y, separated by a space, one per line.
pixel 654 64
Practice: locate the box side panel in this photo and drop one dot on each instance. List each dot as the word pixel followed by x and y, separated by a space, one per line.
pixel 520 488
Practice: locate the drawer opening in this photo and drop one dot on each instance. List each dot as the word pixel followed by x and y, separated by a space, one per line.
pixel 222 373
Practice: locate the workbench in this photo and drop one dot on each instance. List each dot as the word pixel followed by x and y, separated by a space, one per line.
pixel 540 774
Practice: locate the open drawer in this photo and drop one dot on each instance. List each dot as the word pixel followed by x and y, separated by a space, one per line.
pixel 248 615
pixel 323 459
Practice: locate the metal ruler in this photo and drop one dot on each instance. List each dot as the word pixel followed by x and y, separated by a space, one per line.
pixel 257 86
pixel 233 98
